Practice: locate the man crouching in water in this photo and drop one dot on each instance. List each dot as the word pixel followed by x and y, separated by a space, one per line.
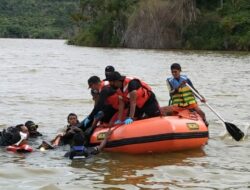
pixel 79 151
pixel 64 137
pixel 32 127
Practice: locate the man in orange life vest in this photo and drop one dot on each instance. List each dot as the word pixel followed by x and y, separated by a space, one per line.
pixel 107 104
pixel 137 94
pixel 95 92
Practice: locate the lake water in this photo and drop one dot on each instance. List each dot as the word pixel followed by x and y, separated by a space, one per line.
pixel 44 80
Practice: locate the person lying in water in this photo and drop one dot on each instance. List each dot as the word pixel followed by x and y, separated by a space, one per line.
pixel 64 137
pixel 79 150
pixel 17 135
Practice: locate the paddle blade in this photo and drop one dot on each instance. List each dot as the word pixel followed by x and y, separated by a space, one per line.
pixel 234 131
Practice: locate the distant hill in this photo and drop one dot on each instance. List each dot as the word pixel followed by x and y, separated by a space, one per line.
pixel 37 18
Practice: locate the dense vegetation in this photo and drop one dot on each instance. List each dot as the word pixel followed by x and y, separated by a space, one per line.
pixel 37 18
pixel 182 24
pixel 222 25
pixel 102 22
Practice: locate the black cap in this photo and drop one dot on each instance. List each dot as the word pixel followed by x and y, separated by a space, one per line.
pixel 114 76
pixel 93 80
pixel 31 126
pixel 175 66
pixel 109 68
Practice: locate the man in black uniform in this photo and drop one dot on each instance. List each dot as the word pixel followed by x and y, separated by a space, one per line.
pixel 105 107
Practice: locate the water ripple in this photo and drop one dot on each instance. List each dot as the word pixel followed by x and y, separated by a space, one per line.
pixel 44 80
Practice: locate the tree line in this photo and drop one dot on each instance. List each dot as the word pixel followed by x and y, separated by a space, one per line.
pixel 174 24
pixel 156 24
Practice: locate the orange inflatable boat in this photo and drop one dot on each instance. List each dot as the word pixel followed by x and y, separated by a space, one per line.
pixel 156 135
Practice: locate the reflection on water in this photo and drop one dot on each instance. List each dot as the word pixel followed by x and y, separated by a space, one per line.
pixel 44 80
pixel 118 170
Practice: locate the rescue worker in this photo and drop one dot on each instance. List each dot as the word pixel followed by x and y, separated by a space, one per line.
pixel 107 105
pixel 137 95
pixel 109 69
pixel 181 95
pixel 95 95
pixel 95 92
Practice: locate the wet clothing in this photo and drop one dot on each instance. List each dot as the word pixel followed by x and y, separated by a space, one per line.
pixel 146 102
pixel 67 138
pixel 32 127
pixel 181 95
pixel 35 134
pixel 9 136
pixel 78 152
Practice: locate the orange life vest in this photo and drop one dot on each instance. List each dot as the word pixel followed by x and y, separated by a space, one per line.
pixel 112 100
pixel 21 148
pixel 143 93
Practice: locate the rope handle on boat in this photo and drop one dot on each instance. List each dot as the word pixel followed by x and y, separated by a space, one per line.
pixel 191 116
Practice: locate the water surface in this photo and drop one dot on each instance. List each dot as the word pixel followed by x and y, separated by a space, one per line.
pixel 44 80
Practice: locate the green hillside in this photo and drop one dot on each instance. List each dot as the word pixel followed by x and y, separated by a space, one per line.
pixel 37 18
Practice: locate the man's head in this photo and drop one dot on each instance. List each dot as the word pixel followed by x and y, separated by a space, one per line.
pixel 176 70
pixel 109 69
pixel 72 119
pixel 115 79
pixel 32 127
pixel 94 82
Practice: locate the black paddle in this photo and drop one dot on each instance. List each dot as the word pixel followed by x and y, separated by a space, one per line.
pixel 234 131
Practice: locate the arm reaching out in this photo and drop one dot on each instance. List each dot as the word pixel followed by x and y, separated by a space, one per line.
pixel 104 142
pixel 132 102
